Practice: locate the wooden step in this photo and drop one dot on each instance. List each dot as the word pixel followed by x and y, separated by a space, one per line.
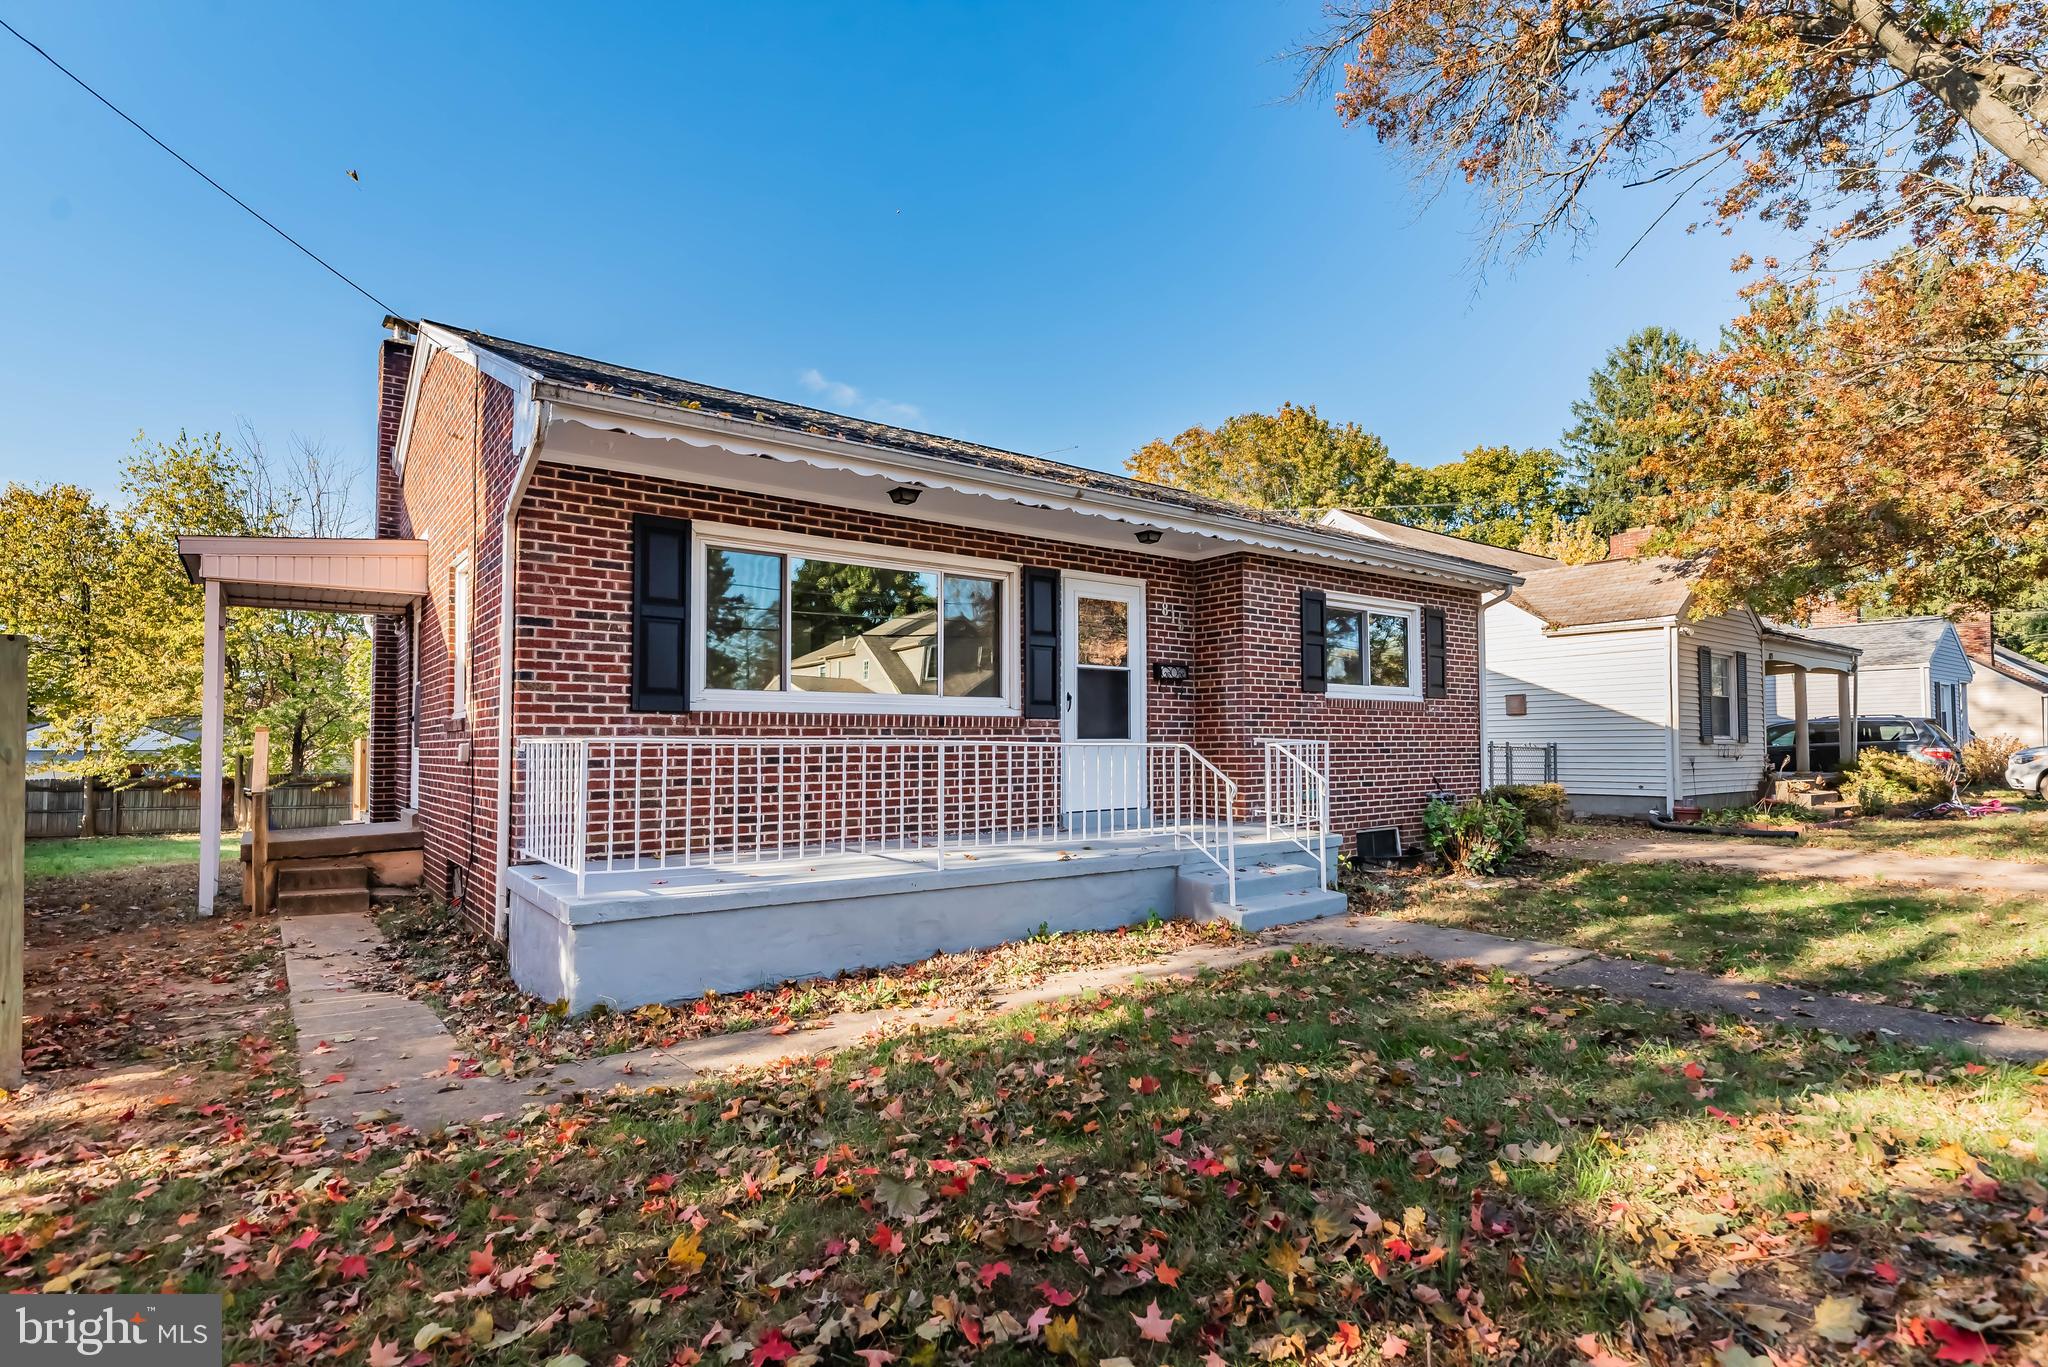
pixel 322 901
pixel 311 876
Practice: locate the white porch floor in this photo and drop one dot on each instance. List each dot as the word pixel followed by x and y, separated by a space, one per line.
pixel 817 874
pixel 653 934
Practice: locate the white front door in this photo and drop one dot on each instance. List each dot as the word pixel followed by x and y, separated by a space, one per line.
pixel 1102 695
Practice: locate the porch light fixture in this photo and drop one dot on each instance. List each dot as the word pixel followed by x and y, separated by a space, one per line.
pixel 903 498
pixel 1150 536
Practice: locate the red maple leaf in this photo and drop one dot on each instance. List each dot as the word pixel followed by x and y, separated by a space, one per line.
pixel 774 1348
pixel 1959 1344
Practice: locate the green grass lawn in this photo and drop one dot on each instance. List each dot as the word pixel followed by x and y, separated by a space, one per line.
pixel 1974 954
pixel 2021 836
pixel 105 854
pixel 1317 1158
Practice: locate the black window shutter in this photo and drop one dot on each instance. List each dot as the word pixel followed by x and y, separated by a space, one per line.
pixel 1315 663
pixel 1041 643
pixel 661 615
pixel 1436 655
pixel 1706 696
pixel 1742 695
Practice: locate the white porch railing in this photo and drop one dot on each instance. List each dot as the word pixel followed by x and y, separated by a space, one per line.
pixel 603 804
pixel 1298 796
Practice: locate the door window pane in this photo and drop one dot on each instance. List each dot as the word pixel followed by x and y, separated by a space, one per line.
pixel 1104 711
pixel 1389 651
pixel 1343 658
pixel 743 633
pixel 863 629
pixel 1104 629
pixel 973 626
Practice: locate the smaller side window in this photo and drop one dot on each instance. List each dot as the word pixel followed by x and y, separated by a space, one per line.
pixel 1722 698
pixel 460 594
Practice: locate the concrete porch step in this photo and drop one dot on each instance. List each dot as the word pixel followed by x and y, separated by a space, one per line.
pixel 1271 891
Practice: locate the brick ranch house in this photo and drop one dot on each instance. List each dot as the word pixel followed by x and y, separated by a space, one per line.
pixel 688 689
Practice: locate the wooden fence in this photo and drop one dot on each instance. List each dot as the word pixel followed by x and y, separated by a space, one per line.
pixel 163 806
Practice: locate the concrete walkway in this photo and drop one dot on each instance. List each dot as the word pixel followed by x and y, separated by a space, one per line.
pixel 1809 861
pixel 371 1055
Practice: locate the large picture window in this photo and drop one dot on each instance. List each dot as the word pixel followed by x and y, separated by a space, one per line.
pixel 1372 649
pixel 850 627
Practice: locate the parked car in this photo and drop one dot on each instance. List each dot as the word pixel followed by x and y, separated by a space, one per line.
pixel 1914 736
pixel 2027 771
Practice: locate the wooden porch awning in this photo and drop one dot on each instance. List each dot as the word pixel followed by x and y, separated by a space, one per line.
pixel 309 574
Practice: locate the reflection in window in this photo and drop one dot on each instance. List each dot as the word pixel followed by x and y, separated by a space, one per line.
pixel 1104 627
pixel 743 631
pixel 1369 648
pixel 1721 694
pixel 863 629
pixel 810 624
pixel 1389 651
pixel 1343 661
pixel 973 618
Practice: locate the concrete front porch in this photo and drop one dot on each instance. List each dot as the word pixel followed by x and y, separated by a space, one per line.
pixel 643 935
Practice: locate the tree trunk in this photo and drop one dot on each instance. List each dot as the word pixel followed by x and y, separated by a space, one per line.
pixel 1994 119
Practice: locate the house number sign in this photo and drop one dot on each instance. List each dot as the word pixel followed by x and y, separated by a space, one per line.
pixel 1176 671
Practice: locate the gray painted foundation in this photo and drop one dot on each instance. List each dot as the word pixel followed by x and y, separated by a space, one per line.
pixel 1643 804
pixel 651 937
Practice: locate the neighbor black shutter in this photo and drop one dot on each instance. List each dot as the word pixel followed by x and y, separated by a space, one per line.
pixel 1741 695
pixel 1041 643
pixel 661 615
pixel 1436 655
pixel 1315 664
pixel 1706 696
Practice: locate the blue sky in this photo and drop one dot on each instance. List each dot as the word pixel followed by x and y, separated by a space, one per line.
pixel 1054 228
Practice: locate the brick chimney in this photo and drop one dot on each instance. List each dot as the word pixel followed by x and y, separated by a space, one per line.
pixel 390 740
pixel 1975 629
pixel 1834 613
pixel 1629 544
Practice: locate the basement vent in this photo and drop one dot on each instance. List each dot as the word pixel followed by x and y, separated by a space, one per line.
pixel 1381 844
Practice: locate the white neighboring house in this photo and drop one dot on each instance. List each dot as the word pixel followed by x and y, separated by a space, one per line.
pixel 1648 709
pixel 1910 667
pixel 2009 694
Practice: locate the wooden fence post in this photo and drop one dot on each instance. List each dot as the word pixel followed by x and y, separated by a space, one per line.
pixel 259 820
pixel 13 805
pixel 359 781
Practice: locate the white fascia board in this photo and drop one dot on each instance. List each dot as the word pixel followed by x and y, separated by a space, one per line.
pixel 664 422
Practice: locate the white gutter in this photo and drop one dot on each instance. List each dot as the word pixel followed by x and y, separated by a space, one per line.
pixel 508 605
pixel 605 411
pixel 1486 601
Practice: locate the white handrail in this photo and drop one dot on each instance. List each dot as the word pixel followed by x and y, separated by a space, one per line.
pixel 603 803
pixel 1297 773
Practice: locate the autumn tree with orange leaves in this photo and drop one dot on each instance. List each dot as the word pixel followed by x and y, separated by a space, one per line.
pixel 1871 428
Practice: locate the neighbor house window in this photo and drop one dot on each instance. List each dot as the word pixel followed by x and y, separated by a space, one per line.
pixel 849 627
pixel 1721 696
pixel 460 596
pixel 1372 649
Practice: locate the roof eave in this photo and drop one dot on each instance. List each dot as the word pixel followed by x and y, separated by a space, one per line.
pixel 1387 556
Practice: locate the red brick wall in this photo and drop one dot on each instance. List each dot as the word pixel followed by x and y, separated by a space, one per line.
pixel 1236 619
pixel 458 473
pixel 1385 756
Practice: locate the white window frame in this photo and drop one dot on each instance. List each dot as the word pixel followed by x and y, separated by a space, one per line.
pixel 1718 660
pixel 705 536
pixel 461 634
pixel 1382 607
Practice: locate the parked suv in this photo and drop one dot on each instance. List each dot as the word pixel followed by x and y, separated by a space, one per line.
pixel 1914 736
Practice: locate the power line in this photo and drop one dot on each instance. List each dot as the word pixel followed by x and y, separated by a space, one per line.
pixel 310 253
